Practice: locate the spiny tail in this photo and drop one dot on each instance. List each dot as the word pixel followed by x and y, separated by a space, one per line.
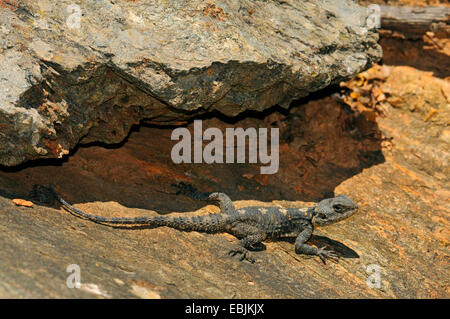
pixel 209 223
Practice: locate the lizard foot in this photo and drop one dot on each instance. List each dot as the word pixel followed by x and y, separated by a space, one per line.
pixel 327 254
pixel 246 255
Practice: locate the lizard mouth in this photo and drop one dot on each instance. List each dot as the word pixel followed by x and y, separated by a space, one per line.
pixel 353 211
pixel 347 215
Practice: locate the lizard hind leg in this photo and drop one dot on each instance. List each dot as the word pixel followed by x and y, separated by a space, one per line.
pixel 243 247
pixel 225 203
pixel 251 237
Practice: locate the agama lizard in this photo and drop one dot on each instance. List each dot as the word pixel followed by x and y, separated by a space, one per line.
pixel 251 225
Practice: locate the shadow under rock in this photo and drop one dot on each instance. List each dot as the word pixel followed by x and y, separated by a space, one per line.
pixel 322 143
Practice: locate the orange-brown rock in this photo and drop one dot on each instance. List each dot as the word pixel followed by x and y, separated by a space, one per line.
pixel 395 168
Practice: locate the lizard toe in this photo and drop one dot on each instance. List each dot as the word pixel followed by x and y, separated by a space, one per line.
pixel 327 254
pixel 245 254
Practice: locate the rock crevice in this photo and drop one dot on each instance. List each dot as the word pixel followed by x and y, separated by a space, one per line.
pixel 88 72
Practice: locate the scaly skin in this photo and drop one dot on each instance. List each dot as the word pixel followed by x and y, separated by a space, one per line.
pixel 251 225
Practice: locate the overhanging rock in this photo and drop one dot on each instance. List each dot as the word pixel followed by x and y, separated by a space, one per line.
pixel 82 73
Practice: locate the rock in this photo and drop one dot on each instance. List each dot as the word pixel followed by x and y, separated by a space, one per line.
pixel 396 169
pixel 88 73
pixel 22 202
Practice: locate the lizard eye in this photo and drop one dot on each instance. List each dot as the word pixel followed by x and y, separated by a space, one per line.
pixel 338 208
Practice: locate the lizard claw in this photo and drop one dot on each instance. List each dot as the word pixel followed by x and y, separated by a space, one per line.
pixel 246 255
pixel 327 254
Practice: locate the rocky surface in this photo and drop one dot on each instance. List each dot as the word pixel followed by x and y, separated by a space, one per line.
pixel 392 161
pixel 414 3
pixel 87 73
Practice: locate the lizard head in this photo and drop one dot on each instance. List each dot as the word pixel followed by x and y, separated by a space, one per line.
pixel 332 210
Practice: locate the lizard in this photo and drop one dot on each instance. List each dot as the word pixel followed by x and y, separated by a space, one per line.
pixel 251 225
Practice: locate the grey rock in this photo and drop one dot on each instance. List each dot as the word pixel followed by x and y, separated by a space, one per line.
pixel 74 74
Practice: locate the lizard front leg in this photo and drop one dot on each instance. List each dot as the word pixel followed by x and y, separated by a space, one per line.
pixel 302 248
